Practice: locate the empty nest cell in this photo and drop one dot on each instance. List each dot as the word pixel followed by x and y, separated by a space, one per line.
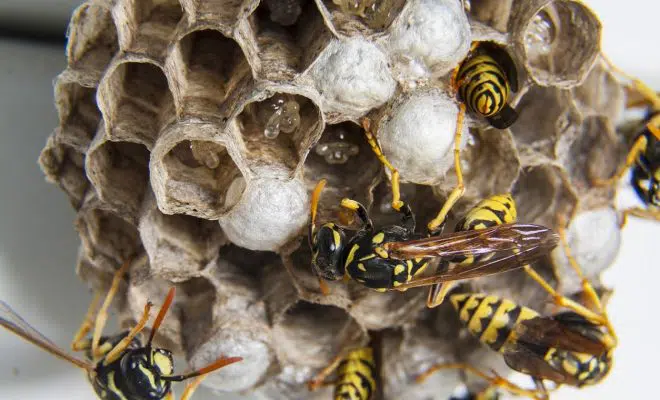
pixel 64 166
pixel 148 26
pixel 92 43
pixel 119 172
pixel 279 129
pixel 205 66
pixel 285 51
pixel 220 12
pixel 362 17
pixel 136 102
pixel 79 116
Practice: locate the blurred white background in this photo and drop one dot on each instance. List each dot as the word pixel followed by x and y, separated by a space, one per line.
pixel 38 244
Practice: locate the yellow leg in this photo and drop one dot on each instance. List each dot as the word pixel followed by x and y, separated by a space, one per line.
pixel 437 293
pixel 496 381
pixel 316 197
pixel 458 191
pixel 80 342
pixel 396 193
pixel 638 147
pixel 320 378
pixel 641 213
pixel 191 387
pixel 102 316
pixel 120 347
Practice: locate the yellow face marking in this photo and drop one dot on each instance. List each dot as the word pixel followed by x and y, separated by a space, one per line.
pixel 378 238
pixel 351 255
pixel 163 363
pixel 150 376
pixel 335 238
pixel 361 267
pixel 399 269
pixel 381 252
pixel 113 386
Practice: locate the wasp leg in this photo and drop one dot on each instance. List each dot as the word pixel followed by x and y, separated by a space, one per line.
pixel 102 316
pixel 80 342
pixel 438 222
pixel 316 196
pixel 494 381
pixel 191 387
pixel 120 347
pixel 320 378
pixel 438 292
pixel 638 148
pixel 639 212
pixel 373 142
pixel 360 211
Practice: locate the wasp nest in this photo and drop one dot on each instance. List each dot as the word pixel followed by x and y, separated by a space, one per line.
pixel 192 132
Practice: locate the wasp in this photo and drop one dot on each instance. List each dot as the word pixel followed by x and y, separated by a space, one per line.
pixel 395 257
pixel 643 158
pixel 573 347
pixel 357 375
pixel 119 367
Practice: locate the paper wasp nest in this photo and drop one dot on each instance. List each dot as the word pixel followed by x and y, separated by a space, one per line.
pixel 192 131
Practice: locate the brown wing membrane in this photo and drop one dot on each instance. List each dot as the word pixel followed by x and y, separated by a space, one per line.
pixel 510 246
pixel 14 323
pixel 547 332
pixel 522 359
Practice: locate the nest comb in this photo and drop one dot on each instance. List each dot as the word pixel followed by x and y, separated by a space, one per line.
pixel 192 132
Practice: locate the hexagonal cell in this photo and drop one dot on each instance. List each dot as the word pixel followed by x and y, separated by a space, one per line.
pixel 590 157
pixel 192 170
pixel 179 246
pixel 542 193
pixel 308 334
pixel 217 12
pixel 250 261
pixel 492 13
pixel 119 172
pixel 545 115
pixel 147 27
pixel 344 158
pixel 600 93
pixel 559 40
pixel 64 166
pixel 79 116
pixel 291 383
pixel 285 51
pixel 108 240
pixel 375 311
pixel 278 129
pixel 136 102
pixel 422 200
pixel 92 43
pixel 360 18
pixel 205 66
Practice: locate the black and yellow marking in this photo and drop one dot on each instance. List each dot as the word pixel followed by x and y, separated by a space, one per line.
pixel 356 375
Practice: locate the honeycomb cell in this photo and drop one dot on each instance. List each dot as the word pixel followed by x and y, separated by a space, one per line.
pixel 494 13
pixel 148 27
pixel 178 246
pixel 64 166
pixel 185 184
pixel 291 383
pixel 92 42
pixel 311 335
pixel 542 193
pixel 353 77
pixel 79 115
pixel 217 12
pixel 375 311
pixel 559 40
pixel 135 101
pixel 205 66
pixel 559 117
pixel 360 18
pixel 119 172
pixel 285 51
pixel 278 129
pixel 600 94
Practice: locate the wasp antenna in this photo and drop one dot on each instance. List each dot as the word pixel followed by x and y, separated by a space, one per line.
pixel 219 363
pixel 161 314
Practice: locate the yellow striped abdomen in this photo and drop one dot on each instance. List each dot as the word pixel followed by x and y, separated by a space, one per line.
pixel 491 319
pixel 495 210
pixel 483 85
pixel 356 375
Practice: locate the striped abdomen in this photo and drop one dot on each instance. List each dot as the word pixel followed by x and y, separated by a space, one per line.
pixel 356 375
pixel 483 85
pixel 491 319
pixel 587 369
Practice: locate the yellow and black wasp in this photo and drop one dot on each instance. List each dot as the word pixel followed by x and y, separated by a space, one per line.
pixel 643 157
pixel 357 375
pixel 573 347
pixel 395 257
pixel 119 367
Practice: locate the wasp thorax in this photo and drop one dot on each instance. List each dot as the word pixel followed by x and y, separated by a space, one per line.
pixel 143 370
pixel 327 247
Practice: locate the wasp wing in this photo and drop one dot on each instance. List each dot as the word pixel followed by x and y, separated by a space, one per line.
pixel 550 332
pixel 497 249
pixel 523 359
pixel 14 323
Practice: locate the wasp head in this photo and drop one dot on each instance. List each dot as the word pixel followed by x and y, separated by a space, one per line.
pixel 143 370
pixel 327 251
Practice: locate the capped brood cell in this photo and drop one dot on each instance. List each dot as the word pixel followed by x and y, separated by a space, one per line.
pixel 204 67
pixel 192 170
pixel 136 102
pixel 286 51
pixel 92 42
